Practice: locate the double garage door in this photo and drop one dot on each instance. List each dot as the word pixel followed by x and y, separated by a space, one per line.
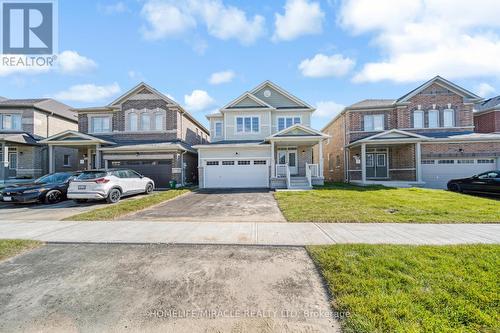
pixel 436 173
pixel 160 171
pixel 228 173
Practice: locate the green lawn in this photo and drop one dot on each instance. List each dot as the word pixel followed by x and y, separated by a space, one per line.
pixel 397 288
pixel 127 206
pixel 11 247
pixel 349 203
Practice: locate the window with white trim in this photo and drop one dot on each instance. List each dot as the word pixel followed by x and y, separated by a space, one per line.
pixel 427 162
pixel 369 160
pixel 465 161
pixel 260 162
pixel 145 121
pixel 247 125
pixel 448 118
pixel 418 119
pixel 243 162
pixel 158 125
pixel 101 124
pixel 374 122
pixel 433 116
pixel 132 122
pixel 212 162
pixel 11 122
pixel 218 128
pixel 285 122
pixel 486 161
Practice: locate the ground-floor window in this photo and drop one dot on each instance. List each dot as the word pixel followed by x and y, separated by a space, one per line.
pixel 66 161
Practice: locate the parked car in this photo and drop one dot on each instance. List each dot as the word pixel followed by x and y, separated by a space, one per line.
pixel 49 189
pixel 110 185
pixel 487 182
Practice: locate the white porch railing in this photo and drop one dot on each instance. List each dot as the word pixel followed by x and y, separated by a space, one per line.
pixel 281 170
pixel 308 174
pixel 312 170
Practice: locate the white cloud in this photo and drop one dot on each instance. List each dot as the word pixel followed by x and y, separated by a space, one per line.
pixel 70 62
pixel 115 8
pixel 302 17
pixel 199 100
pixel 485 90
pixel 221 77
pixel 168 19
pixel 324 66
pixel 88 92
pixel 422 38
pixel 327 109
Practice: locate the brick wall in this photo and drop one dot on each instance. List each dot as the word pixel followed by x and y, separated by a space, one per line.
pixel 487 122
pixel 477 149
pixel 333 171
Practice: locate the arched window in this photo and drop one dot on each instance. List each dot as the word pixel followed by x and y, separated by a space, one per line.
pixel 158 121
pixel 145 122
pixel 132 122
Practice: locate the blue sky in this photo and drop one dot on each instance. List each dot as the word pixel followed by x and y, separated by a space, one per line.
pixel 328 53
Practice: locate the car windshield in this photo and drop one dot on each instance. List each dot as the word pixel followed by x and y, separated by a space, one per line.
pixel 91 175
pixel 54 178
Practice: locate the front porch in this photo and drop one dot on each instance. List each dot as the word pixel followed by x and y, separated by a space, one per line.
pixel 292 165
pixel 392 159
pixel 21 157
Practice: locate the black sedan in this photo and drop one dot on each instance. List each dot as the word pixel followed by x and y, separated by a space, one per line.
pixel 487 182
pixel 48 189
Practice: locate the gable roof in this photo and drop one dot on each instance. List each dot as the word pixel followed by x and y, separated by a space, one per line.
pixel 74 136
pixel 140 89
pixel 442 82
pixel 283 92
pixel 45 104
pixel 298 130
pixel 232 104
pixel 373 103
pixel 489 104
pixel 392 135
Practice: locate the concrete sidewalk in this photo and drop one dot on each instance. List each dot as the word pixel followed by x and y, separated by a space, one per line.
pixel 249 233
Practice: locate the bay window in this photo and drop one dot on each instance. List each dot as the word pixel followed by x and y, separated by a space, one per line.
pixel 247 124
pixel 374 122
pixel 418 119
pixel 101 124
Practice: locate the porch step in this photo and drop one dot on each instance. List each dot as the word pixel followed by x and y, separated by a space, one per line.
pixel 299 183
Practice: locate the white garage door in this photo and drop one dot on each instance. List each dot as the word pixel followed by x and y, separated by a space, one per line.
pixel 437 173
pixel 236 173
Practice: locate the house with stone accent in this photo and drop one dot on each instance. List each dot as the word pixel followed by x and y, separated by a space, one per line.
pixel 423 138
pixel 24 123
pixel 143 130
pixel 487 116
pixel 263 138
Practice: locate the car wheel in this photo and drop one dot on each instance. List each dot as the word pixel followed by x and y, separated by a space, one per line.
pixel 454 187
pixel 80 201
pixel 114 196
pixel 53 196
pixel 149 188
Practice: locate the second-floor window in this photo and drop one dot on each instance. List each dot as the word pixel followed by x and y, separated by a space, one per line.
pixel 285 122
pixel 218 129
pixel 418 119
pixel 158 121
pixel 374 122
pixel 247 124
pixel 145 122
pixel 433 118
pixel 448 118
pixel 132 122
pixel 11 122
pixel 101 124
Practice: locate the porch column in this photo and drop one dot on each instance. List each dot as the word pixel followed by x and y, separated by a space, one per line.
pixel 89 159
pixel 51 159
pixel 106 165
pixel 418 167
pixel 4 162
pixel 363 162
pixel 273 166
pixel 98 164
pixel 321 158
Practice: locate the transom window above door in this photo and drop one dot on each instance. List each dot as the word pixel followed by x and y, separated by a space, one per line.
pixel 285 122
pixel 247 125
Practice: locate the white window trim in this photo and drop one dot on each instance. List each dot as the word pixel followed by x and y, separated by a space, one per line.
pixel 162 116
pixel 452 118
pixel 284 117
pixel 221 129
pixel 105 115
pixel 11 114
pixel 373 122
pixel 251 125
pixel 421 113
pixel 435 111
pixel 152 114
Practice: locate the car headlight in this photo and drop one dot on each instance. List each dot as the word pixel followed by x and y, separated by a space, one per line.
pixel 34 190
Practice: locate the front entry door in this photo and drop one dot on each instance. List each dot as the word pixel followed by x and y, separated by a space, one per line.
pixel 12 164
pixel 376 165
pixel 289 157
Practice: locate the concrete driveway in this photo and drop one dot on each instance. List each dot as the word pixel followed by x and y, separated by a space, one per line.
pixel 161 288
pixel 216 206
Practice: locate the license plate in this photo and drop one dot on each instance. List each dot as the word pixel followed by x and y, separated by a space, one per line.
pixel 7 199
pixel 82 187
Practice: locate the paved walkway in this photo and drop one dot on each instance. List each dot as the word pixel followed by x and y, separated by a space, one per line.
pixel 249 233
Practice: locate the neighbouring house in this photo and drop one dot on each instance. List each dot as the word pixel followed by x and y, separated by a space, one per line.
pixel 261 139
pixel 143 130
pixel 423 138
pixel 24 123
pixel 487 116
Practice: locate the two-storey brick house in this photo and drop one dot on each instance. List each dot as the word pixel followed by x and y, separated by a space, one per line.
pixel 23 124
pixel 423 138
pixel 487 116
pixel 262 139
pixel 143 130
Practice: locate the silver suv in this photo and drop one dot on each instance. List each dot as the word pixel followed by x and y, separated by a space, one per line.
pixel 110 185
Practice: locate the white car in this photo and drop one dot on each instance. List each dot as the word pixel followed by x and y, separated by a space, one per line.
pixel 110 185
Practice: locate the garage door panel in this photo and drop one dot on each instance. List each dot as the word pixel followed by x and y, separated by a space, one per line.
pixel 232 174
pixel 160 171
pixel 437 174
